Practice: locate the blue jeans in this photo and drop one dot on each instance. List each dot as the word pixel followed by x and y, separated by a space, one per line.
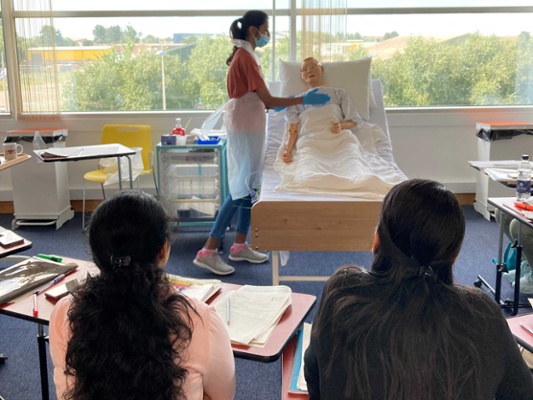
pixel 244 208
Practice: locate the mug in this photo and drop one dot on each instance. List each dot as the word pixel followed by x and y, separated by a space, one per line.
pixel 12 151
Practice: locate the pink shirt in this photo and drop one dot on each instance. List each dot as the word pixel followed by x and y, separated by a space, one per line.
pixel 210 362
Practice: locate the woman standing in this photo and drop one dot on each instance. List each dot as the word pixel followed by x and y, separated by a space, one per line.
pixel 245 122
pixel 129 334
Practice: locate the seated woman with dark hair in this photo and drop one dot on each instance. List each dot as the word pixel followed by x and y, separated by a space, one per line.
pixel 404 330
pixel 129 334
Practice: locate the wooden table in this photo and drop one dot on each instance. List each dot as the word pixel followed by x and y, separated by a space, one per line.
pixel 8 164
pixel 284 331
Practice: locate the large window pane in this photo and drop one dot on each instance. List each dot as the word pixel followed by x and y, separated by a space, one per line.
pixel 446 59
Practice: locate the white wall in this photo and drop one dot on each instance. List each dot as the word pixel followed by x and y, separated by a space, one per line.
pixel 427 144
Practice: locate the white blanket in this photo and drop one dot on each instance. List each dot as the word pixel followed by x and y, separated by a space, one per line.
pixel 345 164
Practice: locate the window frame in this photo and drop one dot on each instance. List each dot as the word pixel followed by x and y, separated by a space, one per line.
pixel 9 15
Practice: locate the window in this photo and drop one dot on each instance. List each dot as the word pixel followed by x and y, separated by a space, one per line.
pixel 121 56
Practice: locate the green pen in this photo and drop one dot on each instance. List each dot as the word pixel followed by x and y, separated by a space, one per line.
pixel 50 257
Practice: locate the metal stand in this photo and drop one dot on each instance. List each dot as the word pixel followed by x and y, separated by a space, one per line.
pixel 511 306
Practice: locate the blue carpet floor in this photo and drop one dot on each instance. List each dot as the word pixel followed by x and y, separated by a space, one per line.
pixel 19 376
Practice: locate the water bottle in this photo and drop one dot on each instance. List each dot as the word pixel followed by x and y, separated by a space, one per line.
pixel 523 180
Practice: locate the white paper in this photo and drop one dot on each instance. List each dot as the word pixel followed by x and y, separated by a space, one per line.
pixel 254 312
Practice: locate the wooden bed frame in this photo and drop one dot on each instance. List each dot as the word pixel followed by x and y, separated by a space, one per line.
pixel 312 225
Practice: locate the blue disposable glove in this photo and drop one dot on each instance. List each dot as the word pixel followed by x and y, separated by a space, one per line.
pixel 313 98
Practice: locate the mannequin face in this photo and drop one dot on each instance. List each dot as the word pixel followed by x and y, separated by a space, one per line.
pixel 312 72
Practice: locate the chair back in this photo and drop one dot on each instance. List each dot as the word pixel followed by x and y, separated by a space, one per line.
pixel 130 136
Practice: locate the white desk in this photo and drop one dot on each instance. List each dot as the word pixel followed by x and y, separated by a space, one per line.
pixel 89 152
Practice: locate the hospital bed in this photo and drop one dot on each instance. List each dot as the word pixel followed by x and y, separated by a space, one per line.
pixel 290 221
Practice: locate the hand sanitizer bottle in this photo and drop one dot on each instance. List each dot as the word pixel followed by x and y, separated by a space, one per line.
pixel 180 133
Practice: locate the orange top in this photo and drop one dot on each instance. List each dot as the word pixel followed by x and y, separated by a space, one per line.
pixel 244 75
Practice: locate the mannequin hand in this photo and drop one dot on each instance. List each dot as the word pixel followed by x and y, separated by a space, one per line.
pixel 336 127
pixel 286 157
pixel 314 98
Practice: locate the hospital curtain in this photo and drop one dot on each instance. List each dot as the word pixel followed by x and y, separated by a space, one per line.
pixel 39 85
pixel 323 29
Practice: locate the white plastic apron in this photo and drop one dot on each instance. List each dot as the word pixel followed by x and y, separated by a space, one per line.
pixel 245 121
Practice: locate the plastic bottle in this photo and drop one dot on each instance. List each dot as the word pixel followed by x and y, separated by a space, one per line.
pixel 523 180
pixel 38 142
pixel 178 130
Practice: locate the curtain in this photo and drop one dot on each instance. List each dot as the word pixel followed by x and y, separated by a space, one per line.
pixel 323 29
pixel 35 38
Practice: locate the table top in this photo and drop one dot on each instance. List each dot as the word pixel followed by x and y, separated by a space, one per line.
pixel 8 164
pixel 522 335
pixel 506 205
pixel 89 152
pixel 291 320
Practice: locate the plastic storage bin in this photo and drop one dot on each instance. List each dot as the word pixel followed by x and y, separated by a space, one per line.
pixel 192 181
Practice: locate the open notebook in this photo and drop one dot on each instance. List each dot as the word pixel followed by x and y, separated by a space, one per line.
pixel 201 289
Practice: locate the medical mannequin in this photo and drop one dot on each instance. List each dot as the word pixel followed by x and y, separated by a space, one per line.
pixel 312 73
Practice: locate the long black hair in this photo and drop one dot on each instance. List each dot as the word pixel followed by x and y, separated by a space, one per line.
pixel 396 317
pixel 239 27
pixel 128 326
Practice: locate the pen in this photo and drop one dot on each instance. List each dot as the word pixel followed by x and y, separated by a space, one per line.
pixel 50 257
pixel 35 307
pixel 228 309
pixel 50 284
pixel 527 328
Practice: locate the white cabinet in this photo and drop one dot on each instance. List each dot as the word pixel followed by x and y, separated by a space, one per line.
pixel 41 194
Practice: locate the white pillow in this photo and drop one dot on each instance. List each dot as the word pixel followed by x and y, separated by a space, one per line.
pixel 353 76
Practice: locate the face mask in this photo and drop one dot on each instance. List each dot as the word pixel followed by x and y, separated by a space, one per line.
pixel 262 41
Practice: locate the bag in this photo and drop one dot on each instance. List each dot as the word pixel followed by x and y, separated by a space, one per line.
pixel 110 167
pixel 509 257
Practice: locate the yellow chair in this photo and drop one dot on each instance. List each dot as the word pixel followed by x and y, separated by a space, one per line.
pixel 130 136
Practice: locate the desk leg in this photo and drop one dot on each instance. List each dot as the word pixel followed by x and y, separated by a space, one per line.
pixel 41 343
pixel 499 267
pixel 275 267
pixel 131 171
pixel 119 173
pixel 516 297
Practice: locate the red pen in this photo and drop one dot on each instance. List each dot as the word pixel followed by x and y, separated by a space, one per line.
pixel 523 206
pixel 35 306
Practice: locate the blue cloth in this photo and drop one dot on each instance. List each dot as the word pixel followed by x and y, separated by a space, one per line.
pixel 244 208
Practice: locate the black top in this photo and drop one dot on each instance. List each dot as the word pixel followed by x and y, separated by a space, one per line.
pixel 504 374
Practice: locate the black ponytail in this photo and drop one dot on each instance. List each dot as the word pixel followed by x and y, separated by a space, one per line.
pixel 239 27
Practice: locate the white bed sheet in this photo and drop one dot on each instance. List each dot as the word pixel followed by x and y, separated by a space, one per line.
pixel 275 131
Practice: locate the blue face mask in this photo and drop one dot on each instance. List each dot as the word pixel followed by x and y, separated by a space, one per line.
pixel 262 41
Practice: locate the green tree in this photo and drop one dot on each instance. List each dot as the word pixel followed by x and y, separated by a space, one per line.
pixel 208 70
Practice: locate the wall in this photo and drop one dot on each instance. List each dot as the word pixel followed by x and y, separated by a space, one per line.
pixel 427 144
